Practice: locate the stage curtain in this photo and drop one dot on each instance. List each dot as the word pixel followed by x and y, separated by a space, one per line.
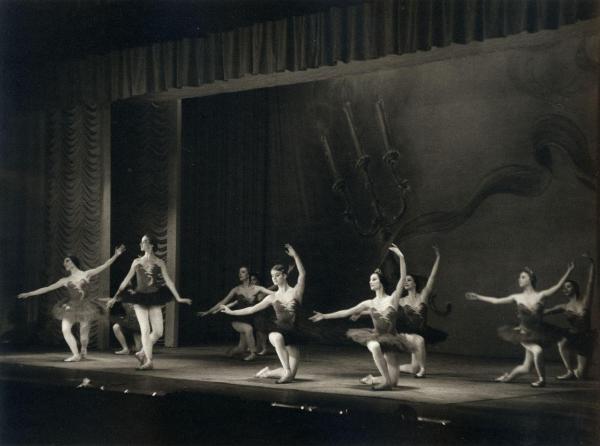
pixel 359 32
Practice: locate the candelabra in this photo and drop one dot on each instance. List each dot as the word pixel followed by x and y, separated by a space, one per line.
pixel 380 221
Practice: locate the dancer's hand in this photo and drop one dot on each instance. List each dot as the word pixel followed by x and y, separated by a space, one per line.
pixel 110 302
pixel 355 317
pixel 436 250
pixel 472 296
pixel 23 296
pixel 120 250
pixel 202 313
pixel 396 250
pixel 225 309
pixel 289 250
pixel 571 266
pixel 185 301
pixel 317 316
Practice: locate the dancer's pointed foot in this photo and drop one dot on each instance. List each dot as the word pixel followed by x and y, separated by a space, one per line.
pixel 74 358
pixel 539 383
pixel 123 351
pixel 263 373
pixel 286 378
pixel 502 378
pixel 567 376
pixel 263 352
pixel 382 386
pixel 141 356
pixel 368 380
pixel 578 374
pixel 148 365
pixel 420 373
pixel 250 357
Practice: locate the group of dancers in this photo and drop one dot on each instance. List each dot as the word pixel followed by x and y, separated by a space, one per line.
pixel 399 319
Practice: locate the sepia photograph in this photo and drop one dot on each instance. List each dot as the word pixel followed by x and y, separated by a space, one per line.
pixel 299 222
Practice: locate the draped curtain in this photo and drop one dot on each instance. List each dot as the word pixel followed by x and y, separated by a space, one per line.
pixel 358 32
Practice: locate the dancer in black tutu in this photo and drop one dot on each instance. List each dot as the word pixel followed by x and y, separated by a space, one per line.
pixel 532 333
pixel 383 341
pixel 126 326
pixel 244 295
pixel 154 288
pixel 581 338
pixel 285 334
pixel 79 307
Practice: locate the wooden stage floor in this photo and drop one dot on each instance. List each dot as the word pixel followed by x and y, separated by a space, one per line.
pixel 457 389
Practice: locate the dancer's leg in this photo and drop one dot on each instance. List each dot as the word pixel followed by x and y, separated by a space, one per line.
pixel 565 355
pixel 67 327
pixel 122 341
pixel 538 361
pixel 518 370
pixel 84 337
pixel 381 364
pixel 142 314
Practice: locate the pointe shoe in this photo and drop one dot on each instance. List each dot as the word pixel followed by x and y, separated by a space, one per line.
pixel 502 378
pixel 141 356
pixel 250 357
pixel 263 372
pixel 567 376
pixel 148 365
pixel 578 374
pixel 74 358
pixel 124 351
pixel 420 373
pixel 263 352
pixel 368 380
pixel 540 383
pixel 287 378
pixel 382 386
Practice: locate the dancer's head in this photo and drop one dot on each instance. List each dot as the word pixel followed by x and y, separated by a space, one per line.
pixel 527 277
pixel 279 275
pixel 71 263
pixel 377 281
pixel 148 243
pixel 243 273
pixel 254 279
pixel 571 289
pixel 414 282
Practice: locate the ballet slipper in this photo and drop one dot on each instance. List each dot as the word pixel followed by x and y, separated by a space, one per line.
pixel 250 357
pixel 141 356
pixel 263 352
pixel 368 380
pixel 263 372
pixel 382 386
pixel 578 374
pixel 286 378
pixel 124 351
pixel 567 376
pixel 420 373
pixel 148 365
pixel 74 358
pixel 539 383
pixel 502 378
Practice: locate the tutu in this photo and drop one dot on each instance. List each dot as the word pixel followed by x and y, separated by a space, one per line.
pixel 384 332
pixel 532 329
pixel 580 337
pixel 150 299
pixel 242 303
pixel 414 321
pixel 78 310
pixel 292 322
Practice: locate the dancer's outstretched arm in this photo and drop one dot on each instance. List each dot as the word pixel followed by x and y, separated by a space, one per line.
pixel 248 310
pixel 364 305
pixel 490 300
pixel 56 285
pixel 217 307
pixel 560 283
pixel 94 271
pixel 589 287
pixel 426 292
pixel 556 309
pixel 400 285
pixel 299 288
pixel 123 285
pixel 170 284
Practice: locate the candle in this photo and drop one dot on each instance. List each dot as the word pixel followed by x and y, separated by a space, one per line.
pixel 329 157
pixel 357 146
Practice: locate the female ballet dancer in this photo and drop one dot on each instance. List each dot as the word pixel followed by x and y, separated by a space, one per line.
pixel 151 293
pixel 244 295
pixel 79 307
pixel 580 338
pixel 285 334
pixel 384 342
pixel 262 319
pixel 126 325
pixel 532 333
pixel 412 319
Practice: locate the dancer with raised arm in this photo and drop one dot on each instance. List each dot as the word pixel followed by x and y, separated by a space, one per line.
pixel 532 333
pixel 79 307
pixel 581 338
pixel 383 341
pixel 154 288
pixel 242 296
pixel 285 335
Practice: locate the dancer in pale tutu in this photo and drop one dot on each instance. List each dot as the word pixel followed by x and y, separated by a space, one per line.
pixel 79 308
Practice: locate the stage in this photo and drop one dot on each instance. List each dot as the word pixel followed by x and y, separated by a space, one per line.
pixel 457 401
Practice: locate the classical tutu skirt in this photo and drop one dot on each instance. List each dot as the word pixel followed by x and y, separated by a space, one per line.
pixel 389 342
pixel 582 342
pixel 78 310
pixel 542 334
pixel 157 298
